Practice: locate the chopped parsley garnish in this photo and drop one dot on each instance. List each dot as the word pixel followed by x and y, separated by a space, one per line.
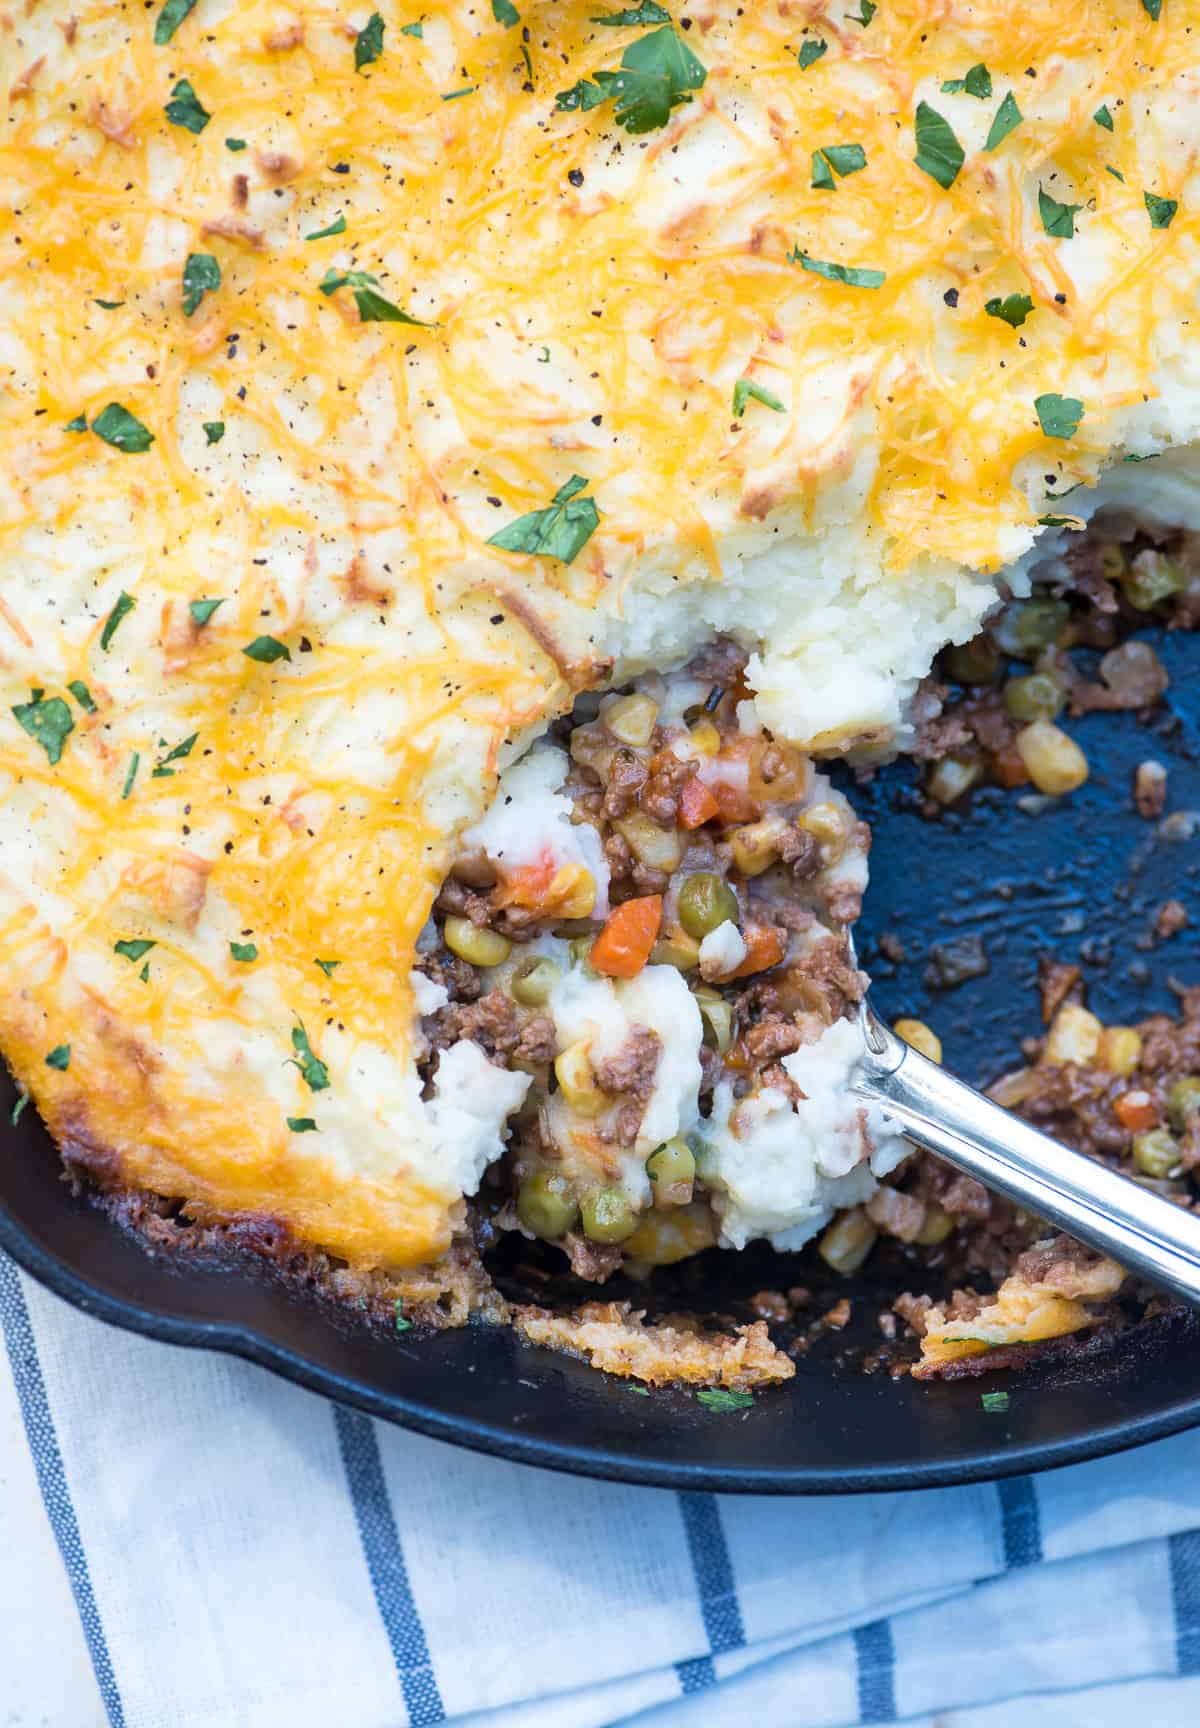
pixel 1116 173
pixel 202 610
pixel 811 51
pixel 977 82
pixel 560 531
pixel 504 12
pixel 316 1075
pixel 1059 522
pixel 866 11
pixel 133 949
pixel 453 95
pixel 235 144
pixel 201 276
pixel 244 951
pixel 125 604
pixel 939 152
pixel 169 20
pixel 48 722
pixel 1007 118
pixel 646 13
pixel 850 274
pixel 267 649
pixel 1057 219
pixel 372 307
pixel 109 305
pixel 214 431
pixel 302 1125
pixel 82 695
pixel 994 1401
pixel 840 159
pixel 59 1057
pixel 417 30
pixel 19 1107
pixel 1162 210
pixel 161 771
pixel 79 424
pixel 186 109
pixel 1154 8
pixel 658 72
pixel 1059 415
pixel 131 775
pixel 338 227
pixel 718 1397
pixel 368 44
pixel 1013 309
pixel 123 430
pixel 1102 117
pixel 745 389
pixel 402 1325
pixel 327 966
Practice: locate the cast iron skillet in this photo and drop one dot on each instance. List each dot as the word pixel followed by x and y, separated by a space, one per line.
pixel 1081 881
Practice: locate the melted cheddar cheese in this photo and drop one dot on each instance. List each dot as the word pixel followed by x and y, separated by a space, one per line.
pixel 586 301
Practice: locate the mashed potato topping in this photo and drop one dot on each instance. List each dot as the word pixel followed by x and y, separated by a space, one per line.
pixel 374 382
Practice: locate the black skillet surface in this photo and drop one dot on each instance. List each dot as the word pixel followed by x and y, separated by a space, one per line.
pixel 1082 881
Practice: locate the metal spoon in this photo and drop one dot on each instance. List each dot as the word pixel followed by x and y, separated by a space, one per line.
pixel 1133 1226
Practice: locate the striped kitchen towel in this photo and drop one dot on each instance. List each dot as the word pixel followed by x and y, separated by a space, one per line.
pixel 240 1552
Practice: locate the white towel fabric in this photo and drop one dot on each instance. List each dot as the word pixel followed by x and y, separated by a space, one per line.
pixel 242 1552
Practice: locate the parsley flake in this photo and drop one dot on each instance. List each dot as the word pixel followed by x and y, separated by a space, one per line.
pixel 329 967
pixel 133 949
pixel 453 95
pixel 338 227
pixel 186 109
pixel 124 605
pixel 19 1107
pixel 109 305
pixel 851 275
pixel 59 1057
pixel 131 775
pixel 372 307
pixel 1154 8
pixel 994 1401
pixel 235 144
pixel 82 695
pixel 939 152
pixel 214 431
pixel 1059 415
pixel 811 51
pixel 1102 117
pixel 417 30
pixel 161 770
pixel 169 20
pixel 840 159
pixel 402 1325
pixel 302 1125
pixel 560 531
pixel 1013 309
pixel 202 610
pixel 646 13
pixel 658 73
pixel 1006 119
pixel 504 12
pixel 316 1075
pixel 368 44
pixel 1161 210
pixel 266 650
pixel 123 430
pixel 719 1398
pixel 201 276
pixel 1116 173
pixel 79 424
pixel 243 951
pixel 1057 219
pixel 48 722
pixel 866 11
pixel 977 82
pixel 745 389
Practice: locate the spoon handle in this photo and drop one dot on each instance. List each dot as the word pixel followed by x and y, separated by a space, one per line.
pixel 1139 1229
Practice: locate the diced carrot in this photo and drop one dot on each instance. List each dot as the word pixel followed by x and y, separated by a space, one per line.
pixel 1007 767
pixel 696 804
pixel 764 947
pixel 623 946
pixel 733 804
pixel 1136 1110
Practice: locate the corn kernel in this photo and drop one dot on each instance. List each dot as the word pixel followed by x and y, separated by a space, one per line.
pixel 1073 1037
pixel 829 827
pixel 704 738
pixel 1120 1049
pixel 754 847
pixel 475 943
pixel 921 1037
pixel 1054 762
pixel 631 719
pixel 576 1081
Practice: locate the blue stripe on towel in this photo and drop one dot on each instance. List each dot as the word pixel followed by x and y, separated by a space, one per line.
pixel 1021 1522
pixel 875 1654
pixel 1184 1553
pixel 713 1569
pixel 52 1479
pixel 385 1563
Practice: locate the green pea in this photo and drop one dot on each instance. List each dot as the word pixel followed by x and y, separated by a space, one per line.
pixel 672 1170
pixel 974 662
pixel 608 1215
pixel 705 902
pixel 1183 1102
pixel 1156 1153
pixel 1026 629
pixel 1036 697
pixel 547 1205
pixel 717 1015
pixel 533 981
pixel 1150 578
